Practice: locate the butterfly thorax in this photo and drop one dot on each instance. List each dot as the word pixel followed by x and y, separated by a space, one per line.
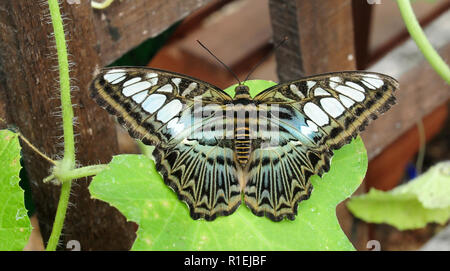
pixel 243 116
pixel 242 93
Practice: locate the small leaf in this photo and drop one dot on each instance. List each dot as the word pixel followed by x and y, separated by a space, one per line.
pixel 134 187
pixel 15 226
pixel 431 188
pixel 411 205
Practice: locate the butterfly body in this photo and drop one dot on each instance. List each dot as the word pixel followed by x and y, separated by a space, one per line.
pixel 244 112
pixel 212 149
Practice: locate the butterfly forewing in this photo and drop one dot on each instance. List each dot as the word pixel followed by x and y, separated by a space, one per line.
pixel 150 102
pixel 336 105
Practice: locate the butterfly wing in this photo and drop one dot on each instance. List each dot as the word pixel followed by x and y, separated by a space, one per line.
pixel 159 108
pixel 147 101
pixel 313 116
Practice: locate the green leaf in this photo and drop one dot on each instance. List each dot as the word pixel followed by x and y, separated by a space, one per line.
pixel 15 226
pixel 411 205
pixel 132 185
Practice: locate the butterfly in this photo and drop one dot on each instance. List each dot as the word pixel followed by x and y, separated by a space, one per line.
pixel 215 150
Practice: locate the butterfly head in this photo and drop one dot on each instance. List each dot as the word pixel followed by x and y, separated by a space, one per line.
pixel 242 92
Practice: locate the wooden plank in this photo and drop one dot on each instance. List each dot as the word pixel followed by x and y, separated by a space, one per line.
pixel 237 50
pixel 228 33
pixel 387 169
pixel 127 23
pixel 421 89
pixel 30 91
pixel 320 36
pixel 362 19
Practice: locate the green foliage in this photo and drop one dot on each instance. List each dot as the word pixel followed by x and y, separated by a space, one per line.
pixel 15 226
pixel 143 53
pixel 134 187
pixel 409 206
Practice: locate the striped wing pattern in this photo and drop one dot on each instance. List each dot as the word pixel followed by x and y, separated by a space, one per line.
pixel 210 170
pixel 316 115
pixel 157 107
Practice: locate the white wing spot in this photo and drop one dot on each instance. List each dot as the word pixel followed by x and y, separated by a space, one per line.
pixel 377 83
pixel 153 102
pixel 316 114
pixel 368 85
pixel 355 86
pixel 138 98
pixel 153 81
pixel 175 126
pixel 334 81
pixel 332 107
pixel 118 80
pixel 347 102
pixel 321 92
pixel 131 81
pixel 190 88
pixel 350 92
pixel 373 75
pixel 169 111
pixel 306 130
pixel 309 129
pixel 166 88
pixel 135 88
pixel 296 91
pixel 112 75
pixel 176 81
pixel 310 84
pixel 312 125
pixel 152 78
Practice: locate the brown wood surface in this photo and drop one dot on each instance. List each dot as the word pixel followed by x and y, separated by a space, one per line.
pixel 232 35
pixel 421 91
pixel 28 83
pixel 387 169
pixel 127 23
pixel 320 36
pixel 238 34
pixel 362 19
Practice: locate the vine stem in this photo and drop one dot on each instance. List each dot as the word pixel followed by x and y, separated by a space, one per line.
pixel 86 171
pixel 60 215
pixel 68 162
pixel 421 40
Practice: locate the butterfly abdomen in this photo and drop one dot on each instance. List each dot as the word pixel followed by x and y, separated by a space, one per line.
pixel 242 145
pixel 242 131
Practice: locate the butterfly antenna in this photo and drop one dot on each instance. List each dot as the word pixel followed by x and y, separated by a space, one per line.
pixel 226 67
pixel 265 57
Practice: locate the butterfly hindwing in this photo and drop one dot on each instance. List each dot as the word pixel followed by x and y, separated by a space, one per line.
pixel 278 176
pixel 203 175
pixel 314 116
